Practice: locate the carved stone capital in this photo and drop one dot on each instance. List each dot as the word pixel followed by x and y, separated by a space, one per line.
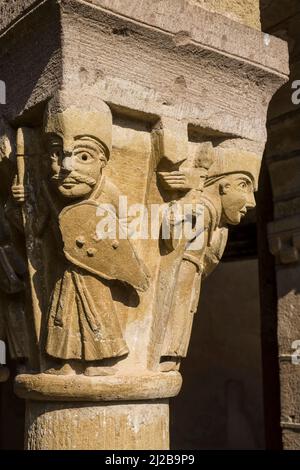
pixel 134 112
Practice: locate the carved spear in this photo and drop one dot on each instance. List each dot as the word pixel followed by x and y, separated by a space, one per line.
pixel 25 139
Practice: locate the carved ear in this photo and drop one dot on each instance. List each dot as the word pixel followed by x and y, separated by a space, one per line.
pixel 103 162
pixel 224 186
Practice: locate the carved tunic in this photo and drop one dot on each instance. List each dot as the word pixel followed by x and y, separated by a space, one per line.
pixel 82 318
pixel 82 322
pixel 194 266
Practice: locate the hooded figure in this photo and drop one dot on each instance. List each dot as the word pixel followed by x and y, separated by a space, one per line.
pixel 227 196
pixel 82 320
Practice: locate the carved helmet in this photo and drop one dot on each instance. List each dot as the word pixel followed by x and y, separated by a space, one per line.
pixel 228 161
pixel 83 114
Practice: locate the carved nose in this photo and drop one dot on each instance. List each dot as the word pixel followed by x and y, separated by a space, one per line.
pixel 68 145
pixel 67 163
pixel 251 201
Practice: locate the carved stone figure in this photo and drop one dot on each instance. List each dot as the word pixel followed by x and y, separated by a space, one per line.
pixel 13 325
pixel 227 195
pixel 82 327
pixel 13 322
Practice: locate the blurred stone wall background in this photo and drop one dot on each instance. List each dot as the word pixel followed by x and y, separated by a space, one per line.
pixel 221 403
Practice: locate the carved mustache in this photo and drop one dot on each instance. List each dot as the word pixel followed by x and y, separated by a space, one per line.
pixel 74 177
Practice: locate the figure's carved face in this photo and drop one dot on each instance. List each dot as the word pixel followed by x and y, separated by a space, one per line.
pixel 237 196
pixel 76 165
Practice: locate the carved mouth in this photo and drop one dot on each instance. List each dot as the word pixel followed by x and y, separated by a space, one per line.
pixel 68 185
pixel 69 182
pixel 243 212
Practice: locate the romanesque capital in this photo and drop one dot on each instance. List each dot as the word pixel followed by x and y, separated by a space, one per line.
pixel 126 153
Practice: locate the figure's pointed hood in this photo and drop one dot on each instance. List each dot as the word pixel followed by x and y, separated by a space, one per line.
pixel 233 160
pixel 72 117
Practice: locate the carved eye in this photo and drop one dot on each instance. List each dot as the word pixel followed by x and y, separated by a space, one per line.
pixel 243 185
pixel 84 157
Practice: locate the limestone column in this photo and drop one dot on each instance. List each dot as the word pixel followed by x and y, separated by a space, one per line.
pixel 124 104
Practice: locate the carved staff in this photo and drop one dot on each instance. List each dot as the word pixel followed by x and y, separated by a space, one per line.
pixel 24 137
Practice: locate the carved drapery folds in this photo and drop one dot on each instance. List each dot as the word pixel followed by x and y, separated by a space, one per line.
pixel 115 138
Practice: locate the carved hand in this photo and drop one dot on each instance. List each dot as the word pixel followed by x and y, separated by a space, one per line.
pixel 19 192
pixel 174 180
pixel 182 180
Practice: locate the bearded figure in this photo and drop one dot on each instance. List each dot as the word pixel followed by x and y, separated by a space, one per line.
pixel 83 332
